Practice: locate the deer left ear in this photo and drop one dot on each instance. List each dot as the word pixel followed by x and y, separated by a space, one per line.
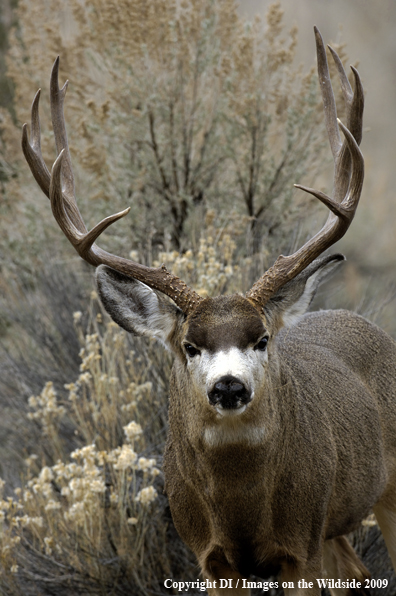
pixel 293 299
pixel 136 307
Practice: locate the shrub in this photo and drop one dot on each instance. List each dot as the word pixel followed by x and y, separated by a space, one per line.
pixel 176 109
pixel 90 515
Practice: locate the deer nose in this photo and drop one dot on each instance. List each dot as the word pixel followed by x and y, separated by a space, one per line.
pixel 229 393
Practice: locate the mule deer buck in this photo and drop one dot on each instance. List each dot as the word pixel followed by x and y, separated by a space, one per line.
pixel 282 424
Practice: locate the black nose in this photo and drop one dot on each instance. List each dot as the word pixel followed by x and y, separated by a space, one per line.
pixel 229 392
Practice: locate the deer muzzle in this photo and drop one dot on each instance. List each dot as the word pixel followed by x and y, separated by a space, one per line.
pixel 229 393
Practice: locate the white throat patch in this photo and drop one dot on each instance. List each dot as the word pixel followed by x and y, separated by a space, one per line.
pixel 228 434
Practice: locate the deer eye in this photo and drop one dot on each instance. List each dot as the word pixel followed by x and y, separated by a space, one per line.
pixel 262 344
pixel 191 351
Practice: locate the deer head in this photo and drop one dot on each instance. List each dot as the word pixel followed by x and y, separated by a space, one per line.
pixel 224 342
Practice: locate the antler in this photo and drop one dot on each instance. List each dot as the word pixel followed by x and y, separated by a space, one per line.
pixel 59 187
pixel 348 179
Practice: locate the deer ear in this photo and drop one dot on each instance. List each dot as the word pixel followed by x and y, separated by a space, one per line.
pixel 136 307
pixel 293 299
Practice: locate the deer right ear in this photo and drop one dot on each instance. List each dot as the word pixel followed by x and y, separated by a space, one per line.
pixel 293 299
pixel 135 307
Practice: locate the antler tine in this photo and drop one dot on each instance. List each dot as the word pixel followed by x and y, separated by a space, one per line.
pixel 157 278
pixel 32 150
pixel 330 110
pixel 345 211
pixel 348 179
pixel 354 112
pixel 57 98
pixel 354 100
pixel 59 187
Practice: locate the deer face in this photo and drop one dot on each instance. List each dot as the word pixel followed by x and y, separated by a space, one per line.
pixel 222 345
pixel 226 345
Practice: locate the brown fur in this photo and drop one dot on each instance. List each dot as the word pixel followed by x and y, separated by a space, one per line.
pixel 274 489
pixel 329 454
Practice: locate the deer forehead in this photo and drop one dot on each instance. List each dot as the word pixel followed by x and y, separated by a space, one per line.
pixel 225 322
